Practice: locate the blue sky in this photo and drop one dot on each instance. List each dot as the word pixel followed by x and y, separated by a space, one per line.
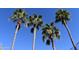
pixel 24 36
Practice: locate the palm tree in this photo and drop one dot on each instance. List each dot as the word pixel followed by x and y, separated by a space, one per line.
pixel 63 16
pixel 19 16
pixel 35 22
pixel 50 32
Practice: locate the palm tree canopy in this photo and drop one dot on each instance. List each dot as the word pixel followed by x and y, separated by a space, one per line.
pixel 19 14
pixel 62 15
pixel 35 21
pixel 50 30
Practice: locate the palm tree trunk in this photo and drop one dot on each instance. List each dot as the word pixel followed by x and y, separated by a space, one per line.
pixel 13 42
pixel 70 36
pixel 34 39
pixel 26 25
pixel 53 44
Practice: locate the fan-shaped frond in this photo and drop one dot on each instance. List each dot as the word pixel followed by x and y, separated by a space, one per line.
pixel 62 15
pixel 19 14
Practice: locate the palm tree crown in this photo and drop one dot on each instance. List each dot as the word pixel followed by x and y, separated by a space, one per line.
pixel 63 16
pixel 50 32
pixel 35 21
pixel 19 14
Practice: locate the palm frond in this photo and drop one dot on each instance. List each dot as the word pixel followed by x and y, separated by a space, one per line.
pixel 40 16
pixel 19 14
pixel 49 32
pixel 48 42
pixel 32 30
pixel 62 15
pixel 57 20
pixel 35 16
pixel 43 38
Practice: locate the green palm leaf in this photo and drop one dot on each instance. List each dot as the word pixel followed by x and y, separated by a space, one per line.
pixel 62 15
pixel 48 32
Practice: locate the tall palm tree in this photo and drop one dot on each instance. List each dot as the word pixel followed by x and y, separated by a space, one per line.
pixel 19 16
pixel 50 32
pixel 35 21
pixel 63 16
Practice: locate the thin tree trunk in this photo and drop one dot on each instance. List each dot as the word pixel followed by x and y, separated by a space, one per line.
pixel 14 39
pixel 34 39
pixel 70 36
pixel 53 46
pixel 26 25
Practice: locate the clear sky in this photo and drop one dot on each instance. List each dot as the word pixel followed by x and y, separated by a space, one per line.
pixel 25 37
